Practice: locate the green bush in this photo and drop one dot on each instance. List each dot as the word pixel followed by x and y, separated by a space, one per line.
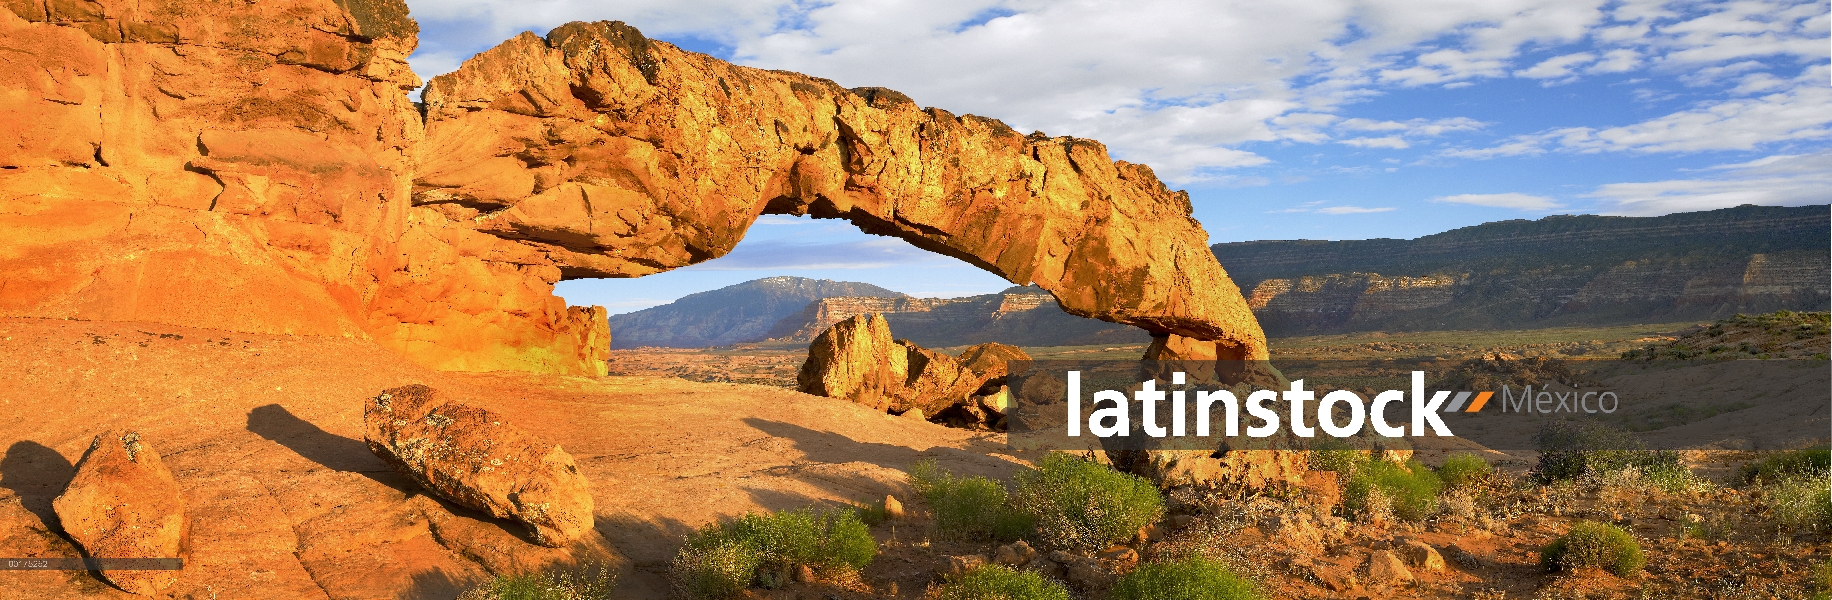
pixel 999 582
pixel 590 582
pixel 1413 488
pixel 722 559
pixel 1193 578
pixel 1592 544
pixel 968 507
pixel 1816 462
pixel 1084 505
pixel 1463 469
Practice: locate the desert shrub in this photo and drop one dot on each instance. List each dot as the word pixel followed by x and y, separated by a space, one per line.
pixel 968 507
pixel 1464 469
pixel 1592 544
pixel 1331 454
pixel 589 582
pixel 722 559
pixel 1815 462
pixel 999 582
pixel 1822 580
pixel 1799 500
pixel 1411 488
pixel 1573 450
pixel 1192 578
pixel 1083 505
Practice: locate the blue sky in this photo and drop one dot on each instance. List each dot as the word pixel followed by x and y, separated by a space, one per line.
pixel 1296 119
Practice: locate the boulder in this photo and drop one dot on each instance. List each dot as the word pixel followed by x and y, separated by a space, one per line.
pixel 953 567
pixel 1084 572
pixel 1251 469
pixel 893 508
pixel 1384 567
pixel 124 503
pixel 856 359
pixel 1015 554
pixel 474 458
pixel 935 382
pixel 988 361
pixel 996 402
pixel 1421 555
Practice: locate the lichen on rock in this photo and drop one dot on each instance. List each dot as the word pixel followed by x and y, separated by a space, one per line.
pixel 472 457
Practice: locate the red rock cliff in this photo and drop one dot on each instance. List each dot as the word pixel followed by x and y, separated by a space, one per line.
pixel 258 167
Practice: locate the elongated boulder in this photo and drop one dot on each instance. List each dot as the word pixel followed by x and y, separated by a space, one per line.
pixel 124 503
pixel 474 458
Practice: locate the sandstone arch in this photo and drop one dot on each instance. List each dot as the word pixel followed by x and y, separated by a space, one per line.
pixel 615 157
pixel 271 177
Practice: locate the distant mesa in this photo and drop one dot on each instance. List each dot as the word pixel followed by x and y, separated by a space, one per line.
pixel 1021 316
pixel 1556 271
pixel 745 312
pixel 767 310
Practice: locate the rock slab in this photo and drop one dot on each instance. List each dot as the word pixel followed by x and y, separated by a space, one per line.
pixel 474 458
pixel 124 503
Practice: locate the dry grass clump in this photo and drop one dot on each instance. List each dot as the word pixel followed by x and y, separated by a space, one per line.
pixel 999 582
pixel 593 581
pixel 1192 578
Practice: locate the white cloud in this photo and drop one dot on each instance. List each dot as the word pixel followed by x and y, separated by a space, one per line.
pixel 1509 200
pixel 1782 180
pixel 1184 85
pixel 1802 111
pixel 1392 141
pixel 1312 207
pixel 779 255
pixel 1620 60
pixel 1352 210
pixel 1557 67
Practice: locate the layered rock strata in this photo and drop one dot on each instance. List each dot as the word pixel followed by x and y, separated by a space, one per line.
pixel 473 458
pixel 1556 271
pixel 258 167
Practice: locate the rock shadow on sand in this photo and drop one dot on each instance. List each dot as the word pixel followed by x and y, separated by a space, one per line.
pixel 329 450
pixel 37 474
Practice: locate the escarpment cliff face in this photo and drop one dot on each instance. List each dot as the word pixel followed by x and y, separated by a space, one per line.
pixel 1583 270
pixel 218 164
pixel 258 167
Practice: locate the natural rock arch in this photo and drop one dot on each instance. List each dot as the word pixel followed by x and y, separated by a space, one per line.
pixel 271 177
pixel 615 156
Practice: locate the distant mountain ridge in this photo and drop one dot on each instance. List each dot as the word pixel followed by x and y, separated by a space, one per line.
pixel 1561 270
pixel 738 313
pixel 1020 316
